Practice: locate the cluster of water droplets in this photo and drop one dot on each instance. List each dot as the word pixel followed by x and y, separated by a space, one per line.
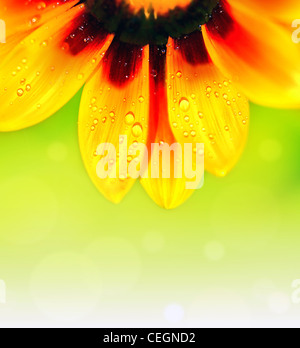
pixel 105 115
pixel 218 90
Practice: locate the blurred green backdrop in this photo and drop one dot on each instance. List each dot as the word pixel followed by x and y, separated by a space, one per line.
pixel 227 257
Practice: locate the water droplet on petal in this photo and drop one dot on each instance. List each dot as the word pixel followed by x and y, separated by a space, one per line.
pixel 179 74
pixel 184 104
pixel 129 118
pixel 137 130
pixel 20 92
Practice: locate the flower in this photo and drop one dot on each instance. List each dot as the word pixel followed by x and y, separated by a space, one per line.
pixel 155 71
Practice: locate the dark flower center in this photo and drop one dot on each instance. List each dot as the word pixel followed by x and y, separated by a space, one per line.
pixel 143 22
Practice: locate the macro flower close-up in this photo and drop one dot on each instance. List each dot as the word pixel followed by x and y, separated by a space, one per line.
pixel 177 71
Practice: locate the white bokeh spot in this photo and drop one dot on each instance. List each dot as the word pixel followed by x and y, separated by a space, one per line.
pixel 174 313
pixel 118 264
pixel 65 286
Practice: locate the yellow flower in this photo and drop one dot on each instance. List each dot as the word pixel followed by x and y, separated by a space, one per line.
pixel 154 71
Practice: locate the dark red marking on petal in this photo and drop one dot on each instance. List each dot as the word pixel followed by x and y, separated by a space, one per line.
pixel 233 35
pixel 221 24
pixel 122 62
pixel 85 32
pixel 157 56
pixel 193 49
pixel 157 90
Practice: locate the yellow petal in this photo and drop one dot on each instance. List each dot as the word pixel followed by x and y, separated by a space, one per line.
pixel 204 106
pixel 24 16
pixel 173 190
pixel 46 69
pixel 167 183
pixel 115 110
pixel 286 10
pixel 257 53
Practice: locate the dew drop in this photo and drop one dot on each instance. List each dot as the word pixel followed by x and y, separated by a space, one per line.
pixel 65 46
pixel 153 73
pixel 41 6
pixel 184 104
pixel 129 118
pixel 179 74
pixel 20 92
pixel 137 130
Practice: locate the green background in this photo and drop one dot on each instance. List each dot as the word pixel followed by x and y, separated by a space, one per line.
pixel 227 257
